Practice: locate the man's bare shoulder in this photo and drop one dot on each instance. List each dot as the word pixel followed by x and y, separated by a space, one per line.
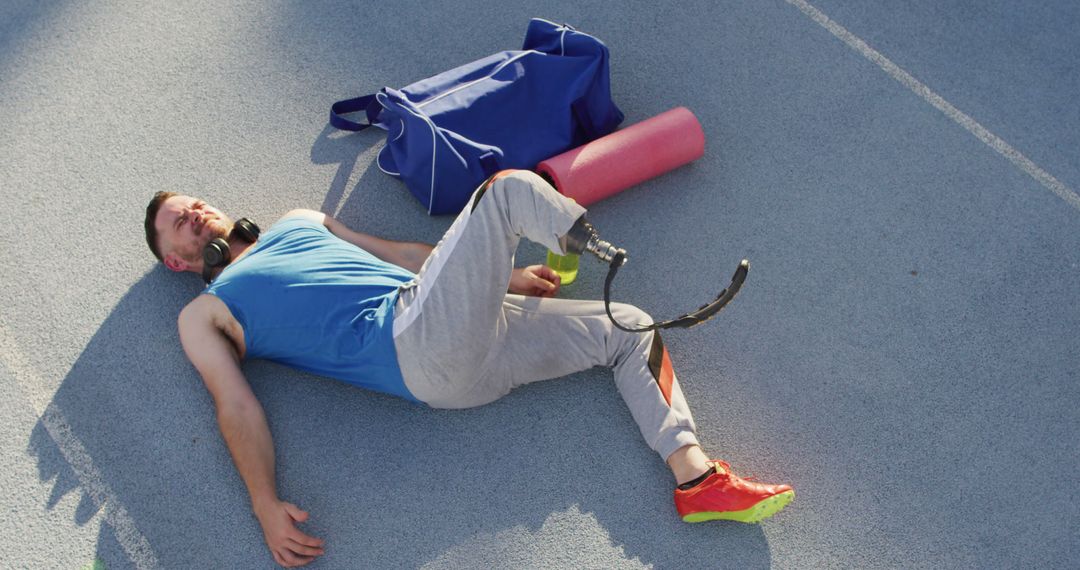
pixel 205 308
pixel 209 310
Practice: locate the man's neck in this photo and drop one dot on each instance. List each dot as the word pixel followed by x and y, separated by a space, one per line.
pixel 237 249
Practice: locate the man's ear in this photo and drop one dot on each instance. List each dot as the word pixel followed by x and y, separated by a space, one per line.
pixel 175 262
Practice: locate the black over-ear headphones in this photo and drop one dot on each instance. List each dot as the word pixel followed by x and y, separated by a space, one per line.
pixel 216 253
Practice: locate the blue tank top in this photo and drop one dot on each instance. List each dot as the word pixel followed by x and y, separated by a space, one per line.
pixel 310 300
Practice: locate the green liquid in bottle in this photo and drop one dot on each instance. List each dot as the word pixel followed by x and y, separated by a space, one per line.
pixel 565 265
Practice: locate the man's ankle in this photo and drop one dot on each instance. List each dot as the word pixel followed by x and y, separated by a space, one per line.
pixel 695 482
pixel 688 463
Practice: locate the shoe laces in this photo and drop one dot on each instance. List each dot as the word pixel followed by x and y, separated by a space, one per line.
pixel 726 467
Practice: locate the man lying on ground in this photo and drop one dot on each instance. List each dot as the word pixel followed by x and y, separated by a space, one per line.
pixel 454 326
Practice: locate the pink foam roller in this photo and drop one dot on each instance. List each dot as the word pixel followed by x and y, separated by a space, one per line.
pixel 611 164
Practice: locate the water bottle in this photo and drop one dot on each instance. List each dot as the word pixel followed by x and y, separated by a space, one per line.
pixel 565 265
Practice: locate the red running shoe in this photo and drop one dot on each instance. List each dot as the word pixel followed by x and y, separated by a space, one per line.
pixel 726 496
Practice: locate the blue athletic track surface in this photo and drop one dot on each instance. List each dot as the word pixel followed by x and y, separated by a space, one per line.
pixel 902 176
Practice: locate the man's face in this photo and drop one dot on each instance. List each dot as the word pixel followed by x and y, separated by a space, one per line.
pixel 185 225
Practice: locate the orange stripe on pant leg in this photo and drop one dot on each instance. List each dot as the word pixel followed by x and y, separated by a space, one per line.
pixel 667 375
pixel 487 184
pixel 660 366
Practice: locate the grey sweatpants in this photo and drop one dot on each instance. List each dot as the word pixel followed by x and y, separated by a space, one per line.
pixel 463 341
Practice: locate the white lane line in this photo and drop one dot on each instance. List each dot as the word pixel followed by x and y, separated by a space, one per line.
pixel 993 141
pixel 29 384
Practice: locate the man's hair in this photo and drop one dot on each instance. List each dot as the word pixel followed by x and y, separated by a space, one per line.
pixel 151 216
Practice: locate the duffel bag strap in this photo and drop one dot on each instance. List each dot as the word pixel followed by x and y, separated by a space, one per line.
pixel 364 103
pixel 489 161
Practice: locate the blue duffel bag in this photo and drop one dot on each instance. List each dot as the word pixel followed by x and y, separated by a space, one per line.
pixel 448 133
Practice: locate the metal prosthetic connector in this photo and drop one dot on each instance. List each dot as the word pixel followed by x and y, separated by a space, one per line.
pixel 583 237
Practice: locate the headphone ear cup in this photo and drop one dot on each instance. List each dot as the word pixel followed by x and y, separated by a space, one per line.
pixel 216 253
pixel 246 230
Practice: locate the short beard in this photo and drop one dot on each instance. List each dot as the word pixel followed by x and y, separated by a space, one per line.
pixel 221 228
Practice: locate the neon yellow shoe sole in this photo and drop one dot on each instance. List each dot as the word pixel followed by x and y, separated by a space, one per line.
pixel 757 513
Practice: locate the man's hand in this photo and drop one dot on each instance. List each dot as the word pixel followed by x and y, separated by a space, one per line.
pixel 535 281
pixel 289 546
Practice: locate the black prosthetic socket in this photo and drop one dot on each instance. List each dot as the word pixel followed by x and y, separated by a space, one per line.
pixel 578 236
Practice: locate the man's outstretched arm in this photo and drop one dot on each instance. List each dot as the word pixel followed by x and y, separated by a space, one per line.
pixel 246 433
pixel 408 254
pixel 535 280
